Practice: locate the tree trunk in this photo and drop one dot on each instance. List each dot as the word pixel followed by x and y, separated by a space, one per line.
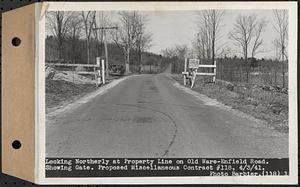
pixel 283 78
pixel 213 57
pixel 213 51
pixel 140 59
pixel 275 79
pixel 88 51
pixel 127 68
pixel 60 49
pixel 246 63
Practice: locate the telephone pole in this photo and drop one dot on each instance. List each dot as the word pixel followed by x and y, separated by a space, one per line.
pixel 105 45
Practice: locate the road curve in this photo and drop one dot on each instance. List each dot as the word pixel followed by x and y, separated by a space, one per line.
pixel 148 116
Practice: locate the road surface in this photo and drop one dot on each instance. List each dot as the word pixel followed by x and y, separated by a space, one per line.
pixel 149 116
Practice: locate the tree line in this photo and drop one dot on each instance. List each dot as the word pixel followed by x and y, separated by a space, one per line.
pixel 246 37
pixel 130 34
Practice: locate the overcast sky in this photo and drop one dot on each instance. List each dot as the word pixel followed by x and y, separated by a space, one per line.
pixel 178 27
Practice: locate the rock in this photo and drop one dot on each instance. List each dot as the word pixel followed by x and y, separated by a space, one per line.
pixel 252 101
pixel 230 87
pixel 50 73
pixel 276 110
pixel 278 88
pixel 284 90
pixel 266 88
pixel 226 84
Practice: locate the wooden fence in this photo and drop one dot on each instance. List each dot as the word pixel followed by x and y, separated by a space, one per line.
pixel 191 70
pixel 98 70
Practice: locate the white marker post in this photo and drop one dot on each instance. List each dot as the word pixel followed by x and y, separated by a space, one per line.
pixel 98 71
pixel 184 75
pixel 194 77
pixel 215 71
pixel 103 70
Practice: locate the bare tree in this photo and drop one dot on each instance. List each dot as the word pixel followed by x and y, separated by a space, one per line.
pixel 126 35
pixel 243 31
pixel 242 35
pixel 168 53
pixel 181 51
pixel 209 25
pixel 75 32
pixel 88 21
pixel 57 22
pixel 177 54
pixel 178 51
pixel 144 38
pixel 281 27
pixel 201 44
pixel 258 41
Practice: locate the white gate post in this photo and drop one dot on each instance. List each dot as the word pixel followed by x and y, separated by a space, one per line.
pixel 98 71
pixel 103 71
pixel 194 78
pixel 184 75
pixel 215 71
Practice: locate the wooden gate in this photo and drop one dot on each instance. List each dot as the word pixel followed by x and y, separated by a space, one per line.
pixel 191 70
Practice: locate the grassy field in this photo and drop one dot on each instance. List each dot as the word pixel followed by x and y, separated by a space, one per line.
pixel 268 105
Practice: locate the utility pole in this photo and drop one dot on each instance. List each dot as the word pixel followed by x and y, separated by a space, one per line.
pixel 105 45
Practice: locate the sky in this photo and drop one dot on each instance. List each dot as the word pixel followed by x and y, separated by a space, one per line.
pixel 179 27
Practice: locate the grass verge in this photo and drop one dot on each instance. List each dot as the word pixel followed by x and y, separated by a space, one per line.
pixel 270 106
pixel 59 92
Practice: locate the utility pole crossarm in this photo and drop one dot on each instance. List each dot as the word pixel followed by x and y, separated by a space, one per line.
pixel 104 28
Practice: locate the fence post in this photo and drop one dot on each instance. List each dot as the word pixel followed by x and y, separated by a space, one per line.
pixel 215 71
pixel 98 75
pixel 184 75
pixel 194 78
pixel 103 71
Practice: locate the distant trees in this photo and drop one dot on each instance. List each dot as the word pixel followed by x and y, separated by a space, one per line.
pixel 178 51
pixel 144 38
pixel 69 29
pixel 177 54
pixel 74 34
pixel 126 34
pixel 88 18
pixel 58 24
pixel 130 34
pixel 243 32
pixel 281 27
pixel 246 33
pixel 208 32
pixel 258 41
pixel 281 43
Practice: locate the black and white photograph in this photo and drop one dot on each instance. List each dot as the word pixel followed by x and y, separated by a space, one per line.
pixel 188 88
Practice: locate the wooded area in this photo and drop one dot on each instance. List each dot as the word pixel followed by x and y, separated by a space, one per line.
pixel 80 37
pixel 238 63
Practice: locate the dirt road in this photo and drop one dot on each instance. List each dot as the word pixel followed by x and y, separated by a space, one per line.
pixel 153 116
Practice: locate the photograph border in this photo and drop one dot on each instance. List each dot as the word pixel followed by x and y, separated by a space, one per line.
pixel 164 6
